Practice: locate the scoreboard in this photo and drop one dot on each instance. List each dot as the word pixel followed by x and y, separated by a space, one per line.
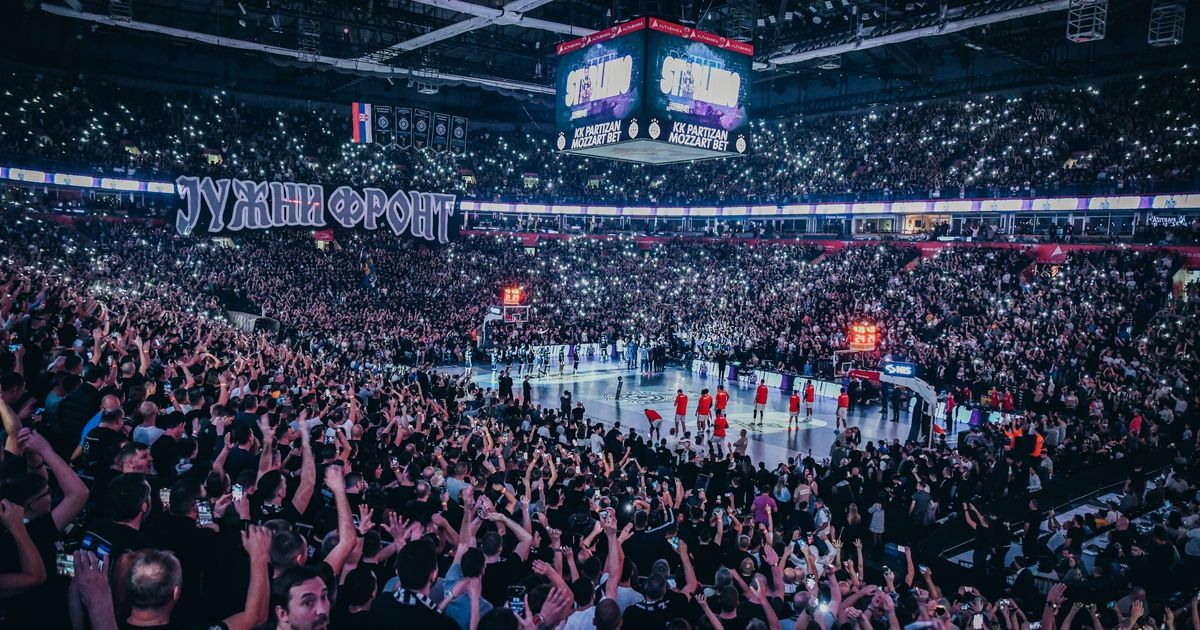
pixel 655 92
pixel 512 309
pixel 512 296
pixel 863 337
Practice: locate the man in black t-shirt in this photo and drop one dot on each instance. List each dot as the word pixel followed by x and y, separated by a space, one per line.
pixel 410 606
pixel 656 610
pixel 129 503
pixel 101 444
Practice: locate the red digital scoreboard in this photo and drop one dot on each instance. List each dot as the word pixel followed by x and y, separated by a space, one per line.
pixel 512 296
pixel 863 337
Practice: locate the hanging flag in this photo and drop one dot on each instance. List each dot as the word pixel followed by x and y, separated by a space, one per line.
pixel 421 125
pixel 458 135
pixel 404 134
pixel 441 132
pixel 385 133
pixel 360 117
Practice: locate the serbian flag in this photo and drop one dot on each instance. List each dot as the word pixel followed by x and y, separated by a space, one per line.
pixel 361 123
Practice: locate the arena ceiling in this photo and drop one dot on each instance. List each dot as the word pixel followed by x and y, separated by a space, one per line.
pixel 342 50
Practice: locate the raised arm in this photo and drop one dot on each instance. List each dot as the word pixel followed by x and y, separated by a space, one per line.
pixel 934 591
pixel 553 473
pixel 308 474
pixel 75 492
pixel 835 592
pixel 714 620
pixel 257 542
pixel 89 597
pixel 347 538
pixel 143 355
pixel 613 562
pixel 223 396
pixel 1070 618
pixel 768 610
pixel 524 538
pixel 1054 599
pixel 689 571
pixel 12 427
pixel 266 454
pixel 33 570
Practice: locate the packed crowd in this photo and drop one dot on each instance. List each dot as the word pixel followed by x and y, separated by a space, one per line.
pixel 976 319
pixel 164 469
pixel 1125 135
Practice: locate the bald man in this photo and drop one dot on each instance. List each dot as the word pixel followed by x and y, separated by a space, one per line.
pixel 107 403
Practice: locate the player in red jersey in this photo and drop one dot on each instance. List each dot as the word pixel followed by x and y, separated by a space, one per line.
pixel 794 410
pixel 680 411
pixel 843 408
pixel 718 436
pixel 722 398
pixel 703 411
pixel 760 403
pixel 810 394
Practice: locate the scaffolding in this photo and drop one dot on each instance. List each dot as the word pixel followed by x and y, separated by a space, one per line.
pixel 121 10
pixel 309 43
pixel 1167 18
pixel 739 26
pixel 1086 20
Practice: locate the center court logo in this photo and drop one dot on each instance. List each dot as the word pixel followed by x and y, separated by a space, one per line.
pixel 639 396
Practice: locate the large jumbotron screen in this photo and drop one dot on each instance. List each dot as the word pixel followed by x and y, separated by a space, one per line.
pixel 653 91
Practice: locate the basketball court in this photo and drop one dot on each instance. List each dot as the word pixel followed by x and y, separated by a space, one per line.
pixel 595 386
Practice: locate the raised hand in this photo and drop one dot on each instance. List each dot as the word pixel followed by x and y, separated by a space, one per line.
pixel 365 515
pixel 12 515
pixel 30 440
pixel 557 607
pixel 257 542
pixel 395 526
pixel 769 555
pixel 1057 593
pixel 335 479
pixel 1135 611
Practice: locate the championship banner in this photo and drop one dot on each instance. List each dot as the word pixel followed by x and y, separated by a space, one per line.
pixel 404 122
pixel 385 133
pixel 360 121
pixel 441 132
pixel 458 135
pixel 234 205
pixel 421 128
